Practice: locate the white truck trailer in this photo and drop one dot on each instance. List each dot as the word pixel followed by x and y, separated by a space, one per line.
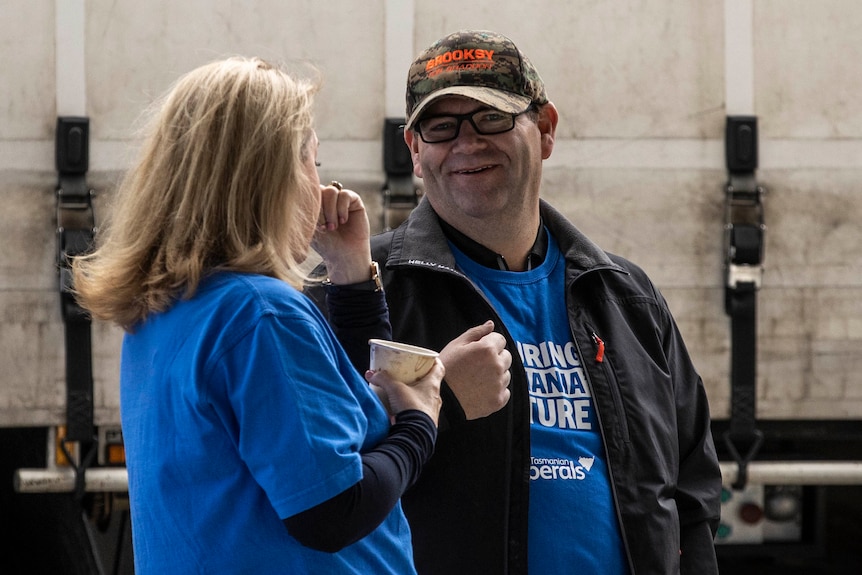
pixel 648 92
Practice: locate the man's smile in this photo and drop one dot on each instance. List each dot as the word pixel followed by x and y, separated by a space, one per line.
pixel 475 170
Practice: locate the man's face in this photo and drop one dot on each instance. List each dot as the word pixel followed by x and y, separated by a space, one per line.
pixel 479 176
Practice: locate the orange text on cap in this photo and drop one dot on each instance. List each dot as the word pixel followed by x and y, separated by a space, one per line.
pixel 459 56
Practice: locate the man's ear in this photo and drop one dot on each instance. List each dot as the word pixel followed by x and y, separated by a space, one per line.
pixel 548 118
pixel 413 143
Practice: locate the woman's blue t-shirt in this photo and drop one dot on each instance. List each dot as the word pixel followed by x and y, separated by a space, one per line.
pixel 240 409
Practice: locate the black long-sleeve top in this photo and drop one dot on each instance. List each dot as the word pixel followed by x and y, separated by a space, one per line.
pixel 391 467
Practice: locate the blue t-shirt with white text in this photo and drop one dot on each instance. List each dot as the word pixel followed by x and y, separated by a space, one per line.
pixel 573 526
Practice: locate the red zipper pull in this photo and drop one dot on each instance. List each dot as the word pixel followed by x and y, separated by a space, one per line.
pixel 600 351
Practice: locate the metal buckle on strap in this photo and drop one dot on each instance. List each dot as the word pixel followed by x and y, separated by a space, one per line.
pixel 744 274
pixel 744 232
pixel 75 236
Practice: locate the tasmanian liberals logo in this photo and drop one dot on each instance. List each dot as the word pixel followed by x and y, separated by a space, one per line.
pixel 555 468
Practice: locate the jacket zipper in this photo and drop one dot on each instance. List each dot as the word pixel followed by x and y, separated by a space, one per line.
pixel 612 384
pixel 600 348
pixel 618 405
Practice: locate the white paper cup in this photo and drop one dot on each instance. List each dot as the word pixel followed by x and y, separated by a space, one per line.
pixel 401 361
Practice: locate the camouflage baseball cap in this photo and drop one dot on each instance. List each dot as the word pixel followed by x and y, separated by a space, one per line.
pixel 478 64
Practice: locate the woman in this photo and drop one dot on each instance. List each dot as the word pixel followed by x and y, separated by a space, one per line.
pixel 253 445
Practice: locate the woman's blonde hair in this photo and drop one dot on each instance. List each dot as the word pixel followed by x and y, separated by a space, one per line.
pixel 219 186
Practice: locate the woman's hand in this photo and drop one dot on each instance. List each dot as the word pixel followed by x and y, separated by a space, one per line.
pixel 342 235
pixel 423 394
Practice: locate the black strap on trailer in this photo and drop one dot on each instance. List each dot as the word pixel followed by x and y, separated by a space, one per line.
pixel 75 234
pixel 400 195
pixel 744 240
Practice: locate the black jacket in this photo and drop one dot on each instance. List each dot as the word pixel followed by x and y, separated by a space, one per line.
pixel 469 510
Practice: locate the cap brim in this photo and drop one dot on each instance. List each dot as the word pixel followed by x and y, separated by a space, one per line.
pixel 497 99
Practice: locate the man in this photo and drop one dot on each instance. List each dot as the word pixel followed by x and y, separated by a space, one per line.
pixel 574 435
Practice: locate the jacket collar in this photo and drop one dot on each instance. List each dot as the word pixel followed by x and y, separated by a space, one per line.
pixel 421 241
pixel 489 258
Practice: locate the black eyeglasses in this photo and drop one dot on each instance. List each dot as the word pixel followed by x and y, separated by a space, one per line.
pixel 436 129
